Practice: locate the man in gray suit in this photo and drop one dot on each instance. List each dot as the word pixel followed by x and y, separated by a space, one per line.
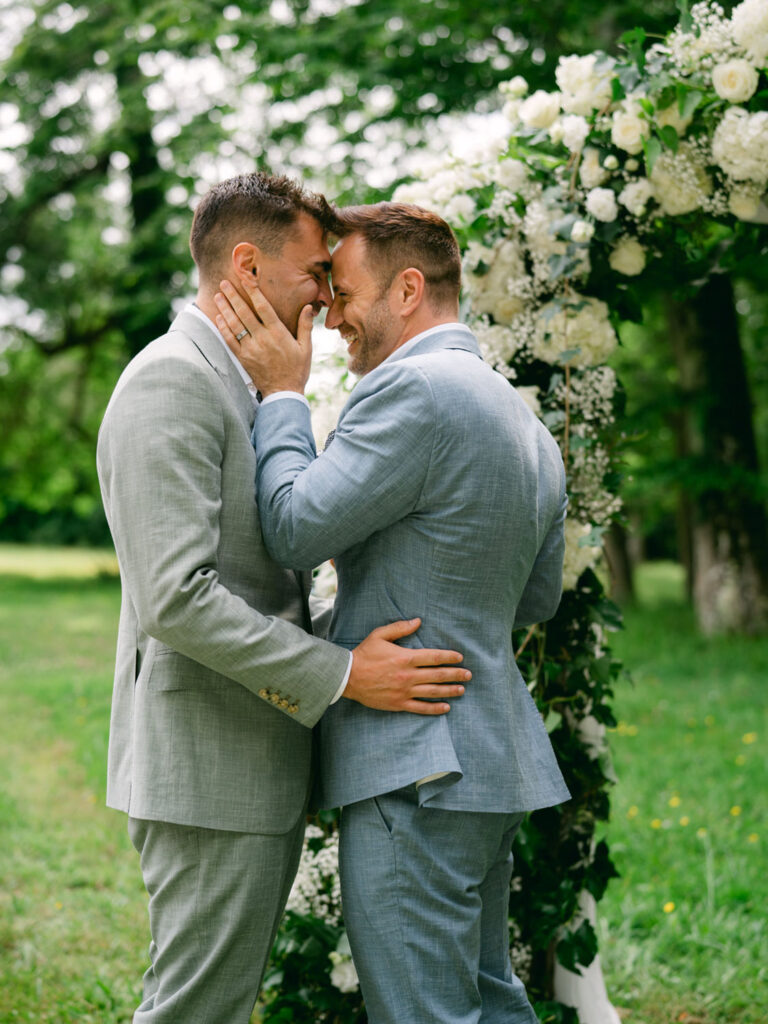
pixel 442 492
pixel 217 684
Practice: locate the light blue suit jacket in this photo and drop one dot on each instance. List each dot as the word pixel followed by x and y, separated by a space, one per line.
pixel 442 496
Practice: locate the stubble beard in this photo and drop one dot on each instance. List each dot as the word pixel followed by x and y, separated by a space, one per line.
pixel 372 339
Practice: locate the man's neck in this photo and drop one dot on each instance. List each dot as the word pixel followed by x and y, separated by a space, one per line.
pixel 204 302
pixel 418 325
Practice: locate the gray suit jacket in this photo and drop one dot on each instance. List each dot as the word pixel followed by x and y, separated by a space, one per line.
pixel 216 688
pixel 442 496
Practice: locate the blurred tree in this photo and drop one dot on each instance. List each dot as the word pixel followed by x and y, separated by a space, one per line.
pixel 114 114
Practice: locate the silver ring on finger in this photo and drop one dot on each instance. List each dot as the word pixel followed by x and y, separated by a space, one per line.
pixel 241 335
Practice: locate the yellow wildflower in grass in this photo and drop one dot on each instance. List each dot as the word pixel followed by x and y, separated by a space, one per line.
pixel 685 820
pixel 753 837
pixel 633 812
pixel 749 737
pixel 735 811
pixel 740 759
pixel 656 823
pixel 675 801
pixel 701 833
pixel 669 906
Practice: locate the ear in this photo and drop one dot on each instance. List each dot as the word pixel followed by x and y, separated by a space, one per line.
pixel 246 261
pixel 408 290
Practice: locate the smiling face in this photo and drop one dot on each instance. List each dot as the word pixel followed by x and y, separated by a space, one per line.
pixel 298 275
pixel 360 311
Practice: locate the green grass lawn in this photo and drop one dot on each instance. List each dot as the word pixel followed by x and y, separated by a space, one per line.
pixel 683 935
pixel 683 931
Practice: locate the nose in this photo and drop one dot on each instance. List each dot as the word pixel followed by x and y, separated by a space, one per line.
pixel 325 297
pixel 333 317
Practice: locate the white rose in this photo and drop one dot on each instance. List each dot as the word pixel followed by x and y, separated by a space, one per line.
pixel 680 181
pixel 540 109
pixel 736 80
pixel 749 23
pixel 583 87
pixel 628 128
pixel 601 203
pixel 582 231
pixel 511 174
pixel 631 165
pixel 635 196
pixel 744 202
pixel 516 87
pixel 740 145
pixel 575 131
pixel 591 171
pixel 628 257
pixel 611 162
pixel 344 975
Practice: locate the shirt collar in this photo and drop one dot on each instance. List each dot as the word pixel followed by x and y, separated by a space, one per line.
pixel 196 311
pixel 412 342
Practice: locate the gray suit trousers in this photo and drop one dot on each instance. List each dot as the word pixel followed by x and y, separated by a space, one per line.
pixel 215 901
pixel 426 901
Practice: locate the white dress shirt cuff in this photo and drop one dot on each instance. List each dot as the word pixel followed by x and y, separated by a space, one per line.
pixel 344 681
pixel 284 394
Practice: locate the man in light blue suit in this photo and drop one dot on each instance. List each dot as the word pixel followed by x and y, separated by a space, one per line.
pixel 441 493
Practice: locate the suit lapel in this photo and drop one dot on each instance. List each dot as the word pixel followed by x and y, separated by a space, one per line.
pixel 212 350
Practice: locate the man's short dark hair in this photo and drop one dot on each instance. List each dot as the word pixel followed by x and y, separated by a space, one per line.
pixel 259 208
pixel 400 235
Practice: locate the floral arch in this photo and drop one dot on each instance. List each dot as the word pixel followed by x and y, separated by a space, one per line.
pixel 635 168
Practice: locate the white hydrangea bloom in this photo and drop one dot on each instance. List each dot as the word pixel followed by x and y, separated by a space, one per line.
pixel 586 330
pixel 629 127
pixel 680 180
pixel 740 145
pixel 735 80
pixel 577 558
pixel 635 195
pixel 591 171
pixel 501 290
pixel 530 395
pixel 540 109
pixel 628 257
pixel 498 344
pixel 744 202
pixel 584 87
pixel 749 24
pixel 601 203
pixel 510 174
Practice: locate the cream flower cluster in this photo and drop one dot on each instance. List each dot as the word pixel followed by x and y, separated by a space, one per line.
pixel 316 890
pixel 580 333
pixel 594 169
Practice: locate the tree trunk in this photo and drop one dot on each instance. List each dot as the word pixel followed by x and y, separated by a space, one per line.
pixel 724 519
pixel 620 565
